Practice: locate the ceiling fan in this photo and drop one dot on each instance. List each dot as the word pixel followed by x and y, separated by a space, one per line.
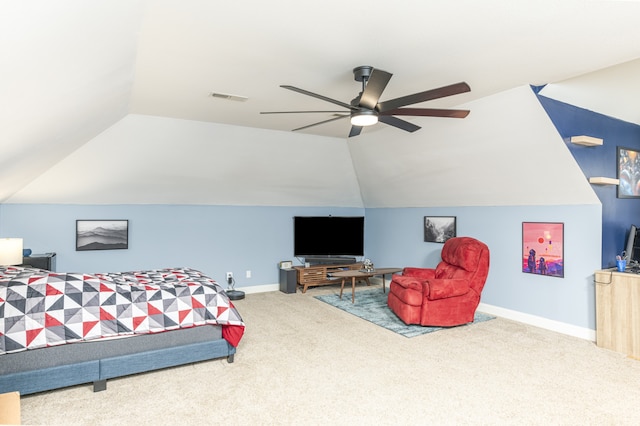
pixel 366 110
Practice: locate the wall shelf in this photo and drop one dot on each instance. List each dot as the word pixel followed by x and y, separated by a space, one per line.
pixel 586 140
pixel 604 181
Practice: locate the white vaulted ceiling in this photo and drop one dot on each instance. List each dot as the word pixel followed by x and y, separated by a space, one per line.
pixel 97 94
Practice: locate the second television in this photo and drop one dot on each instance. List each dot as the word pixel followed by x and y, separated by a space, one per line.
pixel 328 239
pixel 632 249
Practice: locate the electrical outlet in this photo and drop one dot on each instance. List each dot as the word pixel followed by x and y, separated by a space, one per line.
pixel 248 274
pixel 229 276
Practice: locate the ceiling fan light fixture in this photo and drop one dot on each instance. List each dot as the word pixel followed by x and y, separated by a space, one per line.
pixel 366 108
pixel 364 118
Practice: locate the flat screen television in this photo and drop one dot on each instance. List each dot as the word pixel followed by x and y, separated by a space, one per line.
pixel 328 239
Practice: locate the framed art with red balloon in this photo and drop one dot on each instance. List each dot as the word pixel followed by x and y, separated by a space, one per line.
pixel 543 248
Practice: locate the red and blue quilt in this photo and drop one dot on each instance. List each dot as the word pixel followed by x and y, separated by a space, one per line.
pixel 40 308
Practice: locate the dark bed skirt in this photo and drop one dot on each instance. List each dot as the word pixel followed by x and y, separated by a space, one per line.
pixel 78 363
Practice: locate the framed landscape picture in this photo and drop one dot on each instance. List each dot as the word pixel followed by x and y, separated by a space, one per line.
pixel 438 229
pixel 102 234
pixel 628 173
pixel 543 248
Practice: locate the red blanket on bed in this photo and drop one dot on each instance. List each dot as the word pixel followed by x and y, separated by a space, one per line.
pixel 40 308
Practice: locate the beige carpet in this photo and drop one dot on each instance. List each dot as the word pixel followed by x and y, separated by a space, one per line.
pixel 303 361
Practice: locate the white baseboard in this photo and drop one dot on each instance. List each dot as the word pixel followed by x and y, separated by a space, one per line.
pixel 560 327
pixel 260 288
pixel 557 326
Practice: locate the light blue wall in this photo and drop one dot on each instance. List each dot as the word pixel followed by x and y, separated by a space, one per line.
pixel 213 239
pixel 395 237
pixel 217 239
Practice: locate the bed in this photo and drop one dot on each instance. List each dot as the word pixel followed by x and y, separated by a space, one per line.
pixel 65 329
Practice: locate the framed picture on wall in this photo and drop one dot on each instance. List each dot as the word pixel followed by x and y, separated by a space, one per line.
pixel 438 229
pixel 628 173
pixel 543 248
pixel 102 234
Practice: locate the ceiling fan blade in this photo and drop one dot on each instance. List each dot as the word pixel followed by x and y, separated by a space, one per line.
pixel 355 131
pixel 374 88
pixel 315 95
pixel 321 122
pixel 400 124
pixel 428 95
pixel 428 112
pixel 298 112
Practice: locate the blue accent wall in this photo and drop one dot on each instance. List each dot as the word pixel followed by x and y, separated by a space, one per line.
pixel 618 214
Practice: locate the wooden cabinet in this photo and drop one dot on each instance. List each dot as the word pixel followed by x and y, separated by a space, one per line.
pixel 319 274
pixel 618 311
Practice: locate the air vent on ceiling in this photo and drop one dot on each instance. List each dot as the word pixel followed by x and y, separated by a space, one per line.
pixel 228 96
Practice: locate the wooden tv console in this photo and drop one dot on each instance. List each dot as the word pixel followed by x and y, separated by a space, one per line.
pixel 318 275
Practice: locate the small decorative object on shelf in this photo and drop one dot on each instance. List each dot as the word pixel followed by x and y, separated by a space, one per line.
pixel 367 266
pixel 286 264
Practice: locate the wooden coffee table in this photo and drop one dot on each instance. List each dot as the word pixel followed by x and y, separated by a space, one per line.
pixel 358 274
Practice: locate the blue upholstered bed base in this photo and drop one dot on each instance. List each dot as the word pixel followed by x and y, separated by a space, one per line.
pixel 101 369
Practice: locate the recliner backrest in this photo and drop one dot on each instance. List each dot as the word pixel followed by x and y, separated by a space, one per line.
pixel 463 252
pixel 465 258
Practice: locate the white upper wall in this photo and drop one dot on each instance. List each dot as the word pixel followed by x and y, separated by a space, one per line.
pixel 154 160
pixel 67 93
pixel 66 72
pixel 506 152
pixel 613 91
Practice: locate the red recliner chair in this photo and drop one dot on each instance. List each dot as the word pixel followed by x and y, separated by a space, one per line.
pixel 447 295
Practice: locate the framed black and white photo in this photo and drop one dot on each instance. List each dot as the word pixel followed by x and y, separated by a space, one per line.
pixel 102 234
pixel 438 229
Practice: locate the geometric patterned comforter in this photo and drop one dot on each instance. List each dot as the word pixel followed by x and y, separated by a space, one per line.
pixel 40 308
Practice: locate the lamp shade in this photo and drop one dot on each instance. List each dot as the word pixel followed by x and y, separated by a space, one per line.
pixel 10 251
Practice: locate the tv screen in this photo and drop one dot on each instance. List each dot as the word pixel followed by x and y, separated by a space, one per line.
pixel 632 248
pixel 328 236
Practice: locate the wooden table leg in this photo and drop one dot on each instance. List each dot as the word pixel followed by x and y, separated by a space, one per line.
pixel 341 288
pixel 353 289
pixel 384 285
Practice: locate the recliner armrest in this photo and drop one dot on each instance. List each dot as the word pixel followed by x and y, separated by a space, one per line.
pixel 412 283
pixel 424 273
pixel 446 287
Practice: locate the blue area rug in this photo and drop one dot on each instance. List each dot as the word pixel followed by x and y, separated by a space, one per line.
pixel 371 305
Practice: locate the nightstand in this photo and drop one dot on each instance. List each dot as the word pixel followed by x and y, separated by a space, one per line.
pixel 41 261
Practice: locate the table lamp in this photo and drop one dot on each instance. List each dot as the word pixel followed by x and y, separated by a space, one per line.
pixel 10 251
